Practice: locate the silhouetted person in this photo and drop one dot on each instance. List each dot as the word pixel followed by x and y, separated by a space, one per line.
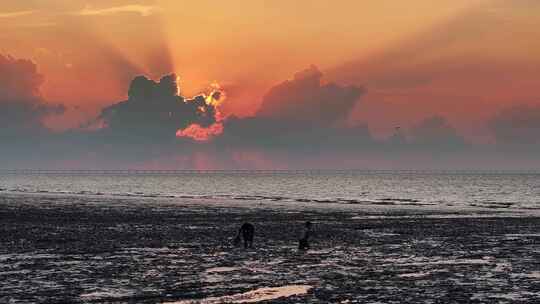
pixel 246 232
pixel 303 244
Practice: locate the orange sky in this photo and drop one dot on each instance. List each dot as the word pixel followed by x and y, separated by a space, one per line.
pixel 464 59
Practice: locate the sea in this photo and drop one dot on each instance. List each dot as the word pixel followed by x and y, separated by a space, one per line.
pixel 519 191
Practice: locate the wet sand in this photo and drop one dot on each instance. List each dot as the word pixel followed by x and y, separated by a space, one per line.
pixel 83 249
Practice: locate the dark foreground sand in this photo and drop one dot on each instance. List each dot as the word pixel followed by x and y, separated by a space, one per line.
pixel 73 249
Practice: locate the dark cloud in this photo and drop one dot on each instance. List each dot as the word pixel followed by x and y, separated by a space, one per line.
pixel 305 99
pixel 517 126
pixel 301 114
pixel 22 109
pixel 155 110
pixel 297 114
pixel 302 117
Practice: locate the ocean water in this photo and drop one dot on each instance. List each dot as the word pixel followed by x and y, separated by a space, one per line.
pixel 489 191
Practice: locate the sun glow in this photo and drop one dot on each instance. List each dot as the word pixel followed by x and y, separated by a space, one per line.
pixel 215 98
pixel 198 133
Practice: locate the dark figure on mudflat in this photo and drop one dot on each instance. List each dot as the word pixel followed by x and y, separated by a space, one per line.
pixel 303 244
pixel 246 232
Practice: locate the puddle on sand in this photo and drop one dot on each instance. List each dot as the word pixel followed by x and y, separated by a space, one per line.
pixel 511 296
pixel 257 295
pixel 400 262
pixel 522 235
pixel 414 274
pixel 531 275
pixel 106 294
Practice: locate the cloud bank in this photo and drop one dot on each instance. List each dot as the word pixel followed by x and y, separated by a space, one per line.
pixel 302 122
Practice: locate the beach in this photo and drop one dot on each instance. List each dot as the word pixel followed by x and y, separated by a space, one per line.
pixel 66 248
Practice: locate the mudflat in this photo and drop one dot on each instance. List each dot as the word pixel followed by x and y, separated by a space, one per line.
pixel 83 249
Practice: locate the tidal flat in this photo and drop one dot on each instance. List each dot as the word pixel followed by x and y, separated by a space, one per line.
pixel 98 249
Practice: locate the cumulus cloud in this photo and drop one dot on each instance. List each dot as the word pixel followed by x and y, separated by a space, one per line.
pixel 301 114
pixel 518 125
pixel 156 110
pixel 22 109
pixel 305 99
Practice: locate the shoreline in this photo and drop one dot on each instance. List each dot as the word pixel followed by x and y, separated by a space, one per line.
pixel 386 210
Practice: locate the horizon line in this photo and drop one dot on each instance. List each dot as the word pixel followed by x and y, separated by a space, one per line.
pixel 260 171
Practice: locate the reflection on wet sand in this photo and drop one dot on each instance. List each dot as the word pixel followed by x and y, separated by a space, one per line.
pixel 257 295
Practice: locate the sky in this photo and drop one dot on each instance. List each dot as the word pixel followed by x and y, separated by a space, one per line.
pixel 269 83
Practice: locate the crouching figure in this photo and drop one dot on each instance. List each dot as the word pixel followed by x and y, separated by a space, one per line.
pixel 246 232
pixel 303 243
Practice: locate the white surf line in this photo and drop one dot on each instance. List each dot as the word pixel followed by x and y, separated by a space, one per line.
pixel 257 295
